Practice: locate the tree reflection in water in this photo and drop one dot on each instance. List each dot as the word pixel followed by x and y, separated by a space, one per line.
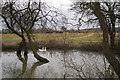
pixel 31 71
pixel 63 64
pixel 24 59
pixel 87 67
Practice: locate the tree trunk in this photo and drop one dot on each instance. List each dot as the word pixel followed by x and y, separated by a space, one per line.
pixel 113 62
pixel 34 50
pixel 25 49
pixel 20 47
pixel 105 41
pixel 111 58
pixel 112 40
pixel 103 25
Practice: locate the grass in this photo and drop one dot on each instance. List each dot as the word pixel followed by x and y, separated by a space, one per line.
pixel 56 40
pixel 75 38
pixel 10 39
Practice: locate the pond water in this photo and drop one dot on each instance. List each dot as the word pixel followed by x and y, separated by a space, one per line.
pixel 63 64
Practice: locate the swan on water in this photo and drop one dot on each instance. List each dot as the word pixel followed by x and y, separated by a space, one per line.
pixel 43 49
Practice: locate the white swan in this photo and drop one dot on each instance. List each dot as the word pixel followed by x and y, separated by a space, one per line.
pixel 43 49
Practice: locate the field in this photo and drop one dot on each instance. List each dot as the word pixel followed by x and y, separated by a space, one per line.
pixel 54 40
pixel 75 38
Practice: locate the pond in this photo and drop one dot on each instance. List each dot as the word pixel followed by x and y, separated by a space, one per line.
pixel 63 64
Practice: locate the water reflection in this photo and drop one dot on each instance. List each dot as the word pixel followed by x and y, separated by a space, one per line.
pixel 14 69
pixel 63 64
pixel 24 61
pixel 88 66
pixel 31 71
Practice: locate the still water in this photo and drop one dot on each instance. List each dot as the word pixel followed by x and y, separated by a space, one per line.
pixel 63 64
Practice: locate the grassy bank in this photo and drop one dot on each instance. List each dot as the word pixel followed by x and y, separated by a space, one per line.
pixel 83 41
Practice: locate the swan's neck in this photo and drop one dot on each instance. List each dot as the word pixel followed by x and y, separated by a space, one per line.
pixel 45 48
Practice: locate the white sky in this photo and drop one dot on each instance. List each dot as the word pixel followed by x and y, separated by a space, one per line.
pixel 59 3
pixel 63 5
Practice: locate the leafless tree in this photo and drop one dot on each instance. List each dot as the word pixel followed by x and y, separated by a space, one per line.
pixel 21 19
pixel 106 14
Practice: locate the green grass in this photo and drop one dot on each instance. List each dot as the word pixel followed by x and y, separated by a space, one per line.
pixel 46 38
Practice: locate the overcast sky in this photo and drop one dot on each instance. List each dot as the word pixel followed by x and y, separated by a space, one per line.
pixel 59 3
pixel 62 5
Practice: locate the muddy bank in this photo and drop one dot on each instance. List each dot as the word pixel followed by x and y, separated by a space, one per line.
pixel 84 47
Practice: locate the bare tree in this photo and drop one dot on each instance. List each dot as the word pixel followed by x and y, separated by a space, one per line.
pixel 22 19
pixel 106 15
